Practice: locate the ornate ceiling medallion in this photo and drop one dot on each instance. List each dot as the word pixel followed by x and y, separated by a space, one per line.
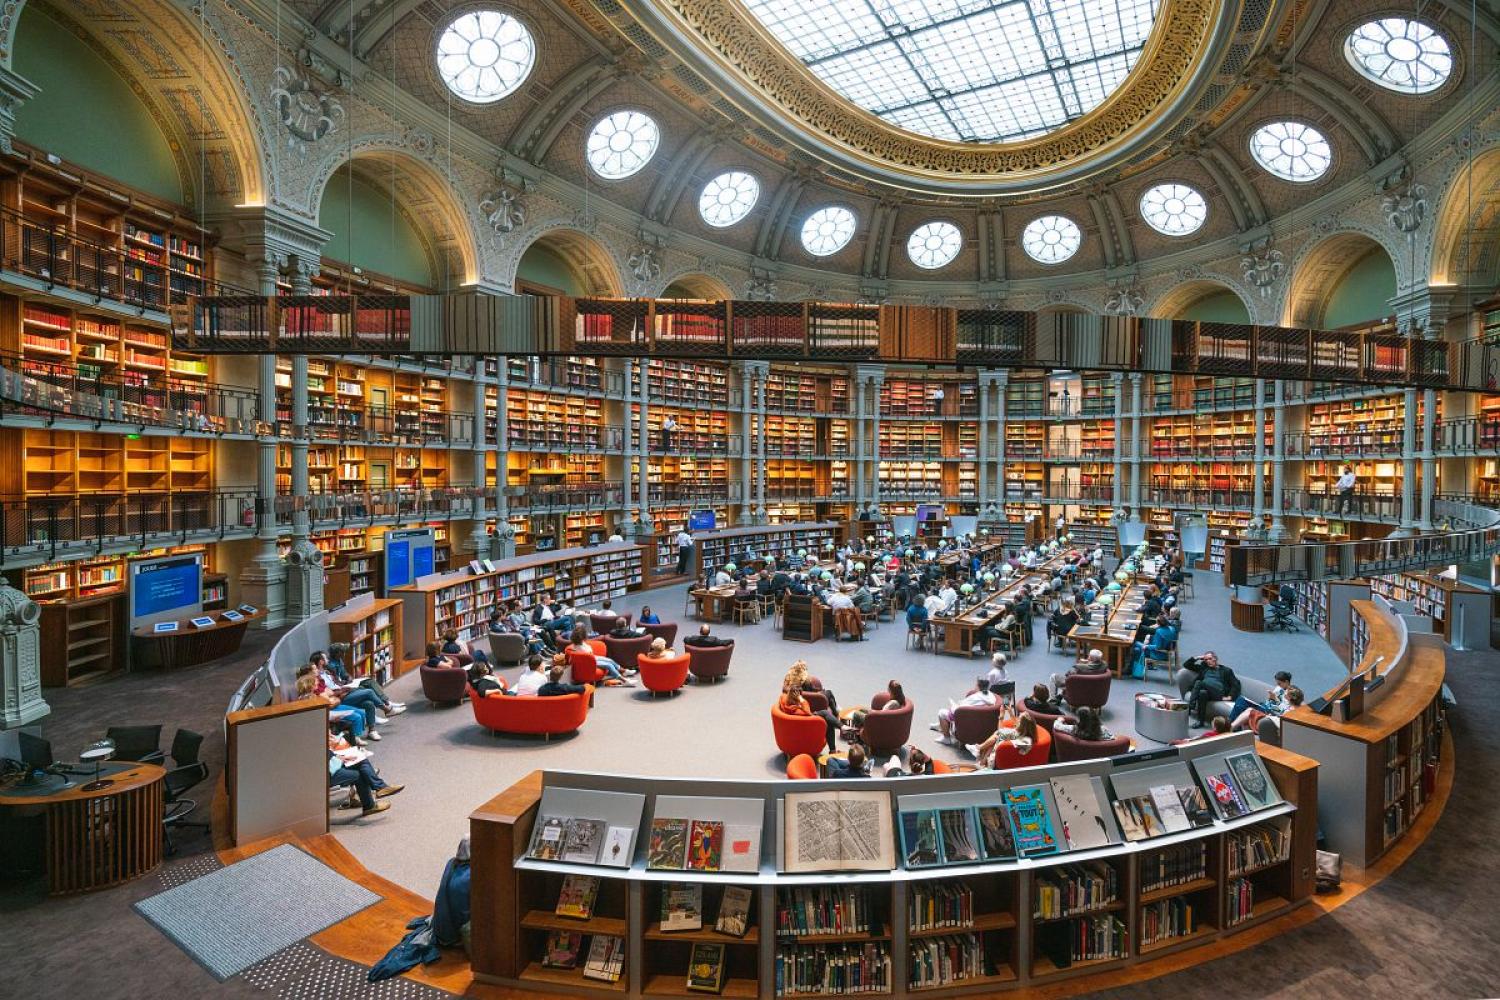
pixel 774 83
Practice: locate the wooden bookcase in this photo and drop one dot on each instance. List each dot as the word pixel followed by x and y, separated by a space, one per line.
pixel 372 631
pixel 715 548
pixel 83 639
pixel 1439 598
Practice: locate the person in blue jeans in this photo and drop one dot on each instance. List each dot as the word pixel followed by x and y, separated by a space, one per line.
pixel 368 785
pixel 1158 645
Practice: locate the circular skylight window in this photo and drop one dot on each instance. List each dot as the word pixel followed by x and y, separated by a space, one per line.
pixel 728 198
pixel 1051 239
pixel 1291 150
pixel 484 55
pixel 934 244
pixel 828 230
pixel 1173 209
pixel 622 143
pixel 1406 56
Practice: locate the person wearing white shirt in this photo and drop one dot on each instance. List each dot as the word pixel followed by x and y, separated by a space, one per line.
pixel 934 604
pixel 1344 487
pixel 684 552
pixel 948 596
pixel 846 619
pixel 617 537
pixel 997 674
pixel 533 678
pixel 668 428
pixel 979 696
pixel 937 401
pixel 723 579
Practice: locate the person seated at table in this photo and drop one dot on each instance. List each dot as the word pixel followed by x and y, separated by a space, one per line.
pixel 1024 608
pixel 647 616
pixel 1019 732
pixel 1087 727
pixel 798 585
pixel 336 653
pixel 853 766
pixel 723 578
pixel 763 587
pixel 979 696
pixel 916 617
pixel 532 678
pixel 1151 607
pixel 1040 700
pixel 794 703
pixel 948 596
pixel 361 698
pixel 1092 664
pixel 1088 592
pixel 1004 625
pixel 706 638
pixel 1161 641
pixel 1250 717
pixel 1062 622
pixel 846 618
pixel 555 687
pixel 624 630
pixel 355 720
pixel 482 677
pixel 611 669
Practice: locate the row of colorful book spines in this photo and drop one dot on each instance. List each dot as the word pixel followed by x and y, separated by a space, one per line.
pixel 1053 902
pixel 1092 938
pixel 938 961
pixel 942 907
pixel 1256 856
pixel 1241 899
pixel 1168 918
pixel 838 917
pixel 841 968
pixel 1175 866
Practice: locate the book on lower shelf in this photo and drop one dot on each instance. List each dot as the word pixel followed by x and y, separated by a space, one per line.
pixel 606 961
pixel 833 969
pixel 734 911
pixel 577 896
pixel 682 907
pixel 562 950
pixel 706 968
pixel 1086 939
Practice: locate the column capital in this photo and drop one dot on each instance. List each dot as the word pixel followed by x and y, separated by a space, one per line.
pixel 15 90
pixel 267 233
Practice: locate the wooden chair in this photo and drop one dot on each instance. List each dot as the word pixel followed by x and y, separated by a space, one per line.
pixel 871 618
pixel 1187 586
pixel 918 637
pixel 746 611
pixel 1166 661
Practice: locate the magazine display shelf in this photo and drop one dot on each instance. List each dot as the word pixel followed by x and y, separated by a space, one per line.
pixel 514 895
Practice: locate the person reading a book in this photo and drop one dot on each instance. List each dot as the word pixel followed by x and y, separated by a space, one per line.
pixel 455 648
pixel 793 703
pixel 341 720
pixel 482 678
pixel 365 776
pixel 1092 664
pixel 1086 727
pixel 1163 638
pixel 555 687
pixel 1250 718
pixel 349 697
pixel 611 669
pixel 1040 700
pixel 1276 696
pixel 980 696
pixel 853 766
pixel 336 653
pixel 1020 732
pixel 1062 622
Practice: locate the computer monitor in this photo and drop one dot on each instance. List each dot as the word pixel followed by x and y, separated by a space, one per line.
pixel 36 753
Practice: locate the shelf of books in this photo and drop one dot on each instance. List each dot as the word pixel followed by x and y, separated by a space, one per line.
pixel 83 639
pixel 687 384
pixel 1354 426
pixel 1025 397
pixel 1025 439
pixel 907 439
pixel 462 601
pixel 537 419
pixel 793 436
pixel 1216 558
pixel 783 541
pixel 1025 479
pixel 907 480
pixel 1324 606
pixel 794 479
pixel 1441 598
pixel 807 391
pixel 1371 476
pixel 943 886
pixel 698 430
pixel 372 631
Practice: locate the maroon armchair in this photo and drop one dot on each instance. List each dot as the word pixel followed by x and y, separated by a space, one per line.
pixel 665 630
pixel 444 685
pixel 709 663
pixel 886 730
pixel 975 723
pixel 1086 689
pixel 1043 719
pixel 603 624
pixel 1066 747
pixel 625 651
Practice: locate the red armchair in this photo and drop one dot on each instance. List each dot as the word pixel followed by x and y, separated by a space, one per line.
pixel 886 730
pixel 975 723
pixel 625 651
pixel 444 685
pixel 709 663
pixel 1068 747
pixel 585 667
pixel 532 715
pixel 1044 720
pixel 665 630
pixel 802 768
pixel 797 733
pixel 1008 757
pixel 665 675
pixel 1086 689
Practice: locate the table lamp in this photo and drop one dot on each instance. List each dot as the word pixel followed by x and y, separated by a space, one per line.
pixel 97 754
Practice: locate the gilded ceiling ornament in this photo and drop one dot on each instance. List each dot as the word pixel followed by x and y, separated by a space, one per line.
pixel 1406 210
pixel 1173 51
pixel 1263 269
pixel 308 114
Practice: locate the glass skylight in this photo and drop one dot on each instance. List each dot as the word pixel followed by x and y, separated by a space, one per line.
pixel 1406 56
pixel 1293 151
pixel 1173 209
pixel 828 230
pixel 622 143
pixel 1051 239
pixel 728 198
pixel 966 70
pixel 485 55
pixel 934 244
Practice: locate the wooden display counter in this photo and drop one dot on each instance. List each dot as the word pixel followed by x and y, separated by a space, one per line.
pixel 1379 766
pixel 190 645
pixel 1247 616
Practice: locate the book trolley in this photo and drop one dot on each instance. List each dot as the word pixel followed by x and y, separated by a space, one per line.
pixel 911 914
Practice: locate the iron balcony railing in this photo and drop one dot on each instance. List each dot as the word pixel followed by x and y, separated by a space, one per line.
pixel 57 526
pixel 552 435
pixel 371 424
pixel 356 507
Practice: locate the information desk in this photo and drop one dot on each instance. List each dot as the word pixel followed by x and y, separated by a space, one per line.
pixel 190 644
pixel 99 838
pixel 515 896
pixel 1380 767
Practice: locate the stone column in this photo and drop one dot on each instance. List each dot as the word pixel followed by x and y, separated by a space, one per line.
pixel 992 385
pixel 1117 487
pixel 21 700
pixel 857 470
pixel 643 446
pixel 760 371
pixel 304 586
pixel 743 379
pixel 1278 531
pixel 877 381
pixel 1136 424
pixel 505 535
pixel 263 581
pixel 1258 473
pixel 479 536
pixel 1408 522
pixel 1428 456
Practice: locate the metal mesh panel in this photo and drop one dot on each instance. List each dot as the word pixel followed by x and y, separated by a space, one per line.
pixel 1386 357
pixel 843 331
pixel 1281 353
pixel 691 328
pixel 610 326
pixel 1335 356
pixel 992 336
pixel 1431 362
pixel 1224 348
pixel 767 329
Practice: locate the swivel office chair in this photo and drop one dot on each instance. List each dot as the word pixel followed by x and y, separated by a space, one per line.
pixel 186 772
pixel 1281 611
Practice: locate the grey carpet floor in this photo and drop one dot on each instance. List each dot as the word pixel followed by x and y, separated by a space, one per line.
pixel 1427 930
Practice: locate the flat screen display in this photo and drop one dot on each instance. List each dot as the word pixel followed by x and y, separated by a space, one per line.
pixel 408 556
pixel 930 511
pixel 701 520
pixel 170 587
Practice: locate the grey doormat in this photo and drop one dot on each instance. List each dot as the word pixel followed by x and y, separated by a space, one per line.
pixel 232 918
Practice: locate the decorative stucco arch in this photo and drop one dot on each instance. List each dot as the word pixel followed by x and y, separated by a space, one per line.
pixel 590 257
pixel 699 284
pixel 1177 299
pixel 1466 224
pixel 1319 267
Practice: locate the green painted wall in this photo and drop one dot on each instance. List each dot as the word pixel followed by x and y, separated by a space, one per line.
pixel 1363 293
pixel 1220 307
pixel 86 112
pixel 543 266
pixel 369 231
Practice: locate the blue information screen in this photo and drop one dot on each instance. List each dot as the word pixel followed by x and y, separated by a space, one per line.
pixel 701 520
pixel 421 559
pixel 167 586
pixel 397 563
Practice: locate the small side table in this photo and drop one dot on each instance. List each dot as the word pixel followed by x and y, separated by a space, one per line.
pixel 1247 616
